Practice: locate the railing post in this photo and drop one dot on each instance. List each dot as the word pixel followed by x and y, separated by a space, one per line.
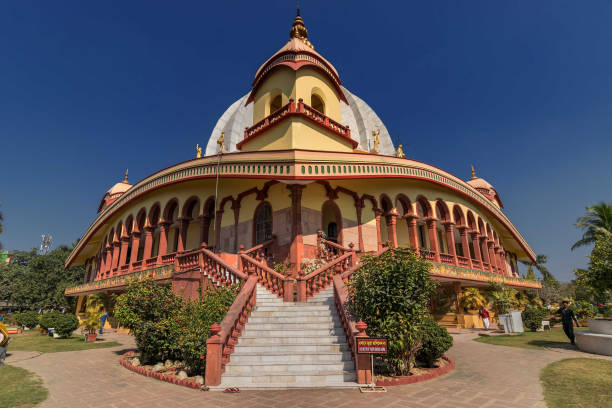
pixel 240 253
pixel 288 289
pixel 291 105
pixel 301 287
pixel 362 361
pixel 214 349
pixel 353 255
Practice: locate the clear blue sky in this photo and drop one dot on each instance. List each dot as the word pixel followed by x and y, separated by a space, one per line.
pixel 523 90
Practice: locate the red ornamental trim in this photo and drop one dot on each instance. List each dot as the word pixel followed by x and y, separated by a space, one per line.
pixel 436 372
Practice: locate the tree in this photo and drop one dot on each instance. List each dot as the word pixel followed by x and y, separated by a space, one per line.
pixel 539 265
pixel 391 293
pixel 33 281
pixel 598 218
pixel 1 227
pixel 599 274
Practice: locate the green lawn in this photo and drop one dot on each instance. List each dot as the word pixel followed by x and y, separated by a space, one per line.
pixel 34 341
pixel 578 383
pixel 20 388
pixel 532 340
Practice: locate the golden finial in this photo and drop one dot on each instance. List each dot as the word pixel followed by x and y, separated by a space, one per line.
pixel 376 137
pixel 299 31
pixel 473 173
pixel 400 152
pixel 198 151
pixel 125 179
pixel 221 142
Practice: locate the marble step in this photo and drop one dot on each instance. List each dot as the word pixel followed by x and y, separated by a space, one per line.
pixel 296 380
pixel 292 348
pixel 282 340
pixel 256 369
pixel 296 320
pixel 276 357
pixel 275 325
pixel 297 332
pixel 289 314
pixel 304 308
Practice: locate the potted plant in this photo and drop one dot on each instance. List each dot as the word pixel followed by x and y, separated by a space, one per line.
pixel 472 300
pixel 91 325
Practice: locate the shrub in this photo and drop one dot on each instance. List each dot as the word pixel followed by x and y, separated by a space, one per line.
pixel 48 319
pixel 27 319
pixel 92 322
pixel 472 299
pixel 65 324
pixel 391 293
pixel 503 298
pixel 533 316
pixel 584 309
pixel 436 341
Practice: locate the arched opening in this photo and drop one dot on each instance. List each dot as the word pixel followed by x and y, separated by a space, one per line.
pixel 402 203
pixel 119 233
pixel 129 224
pixel 331 221
pixel 140 223
pixel 317 103
pixel 209 218
pixel 386 206
pixel 154 214
pixel 459 222
pixel 262 228
pixel 171 217
pixel 423 211
pixel 443 216
pixel 276 103
pixel 191 211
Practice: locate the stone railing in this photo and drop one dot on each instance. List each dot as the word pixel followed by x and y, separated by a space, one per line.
pixel 120 281
pixel 218 270
pixel 312 283
pixel 447 258
pixel 274 281
pixel 260 252
pixel 328 250
pixel 224 336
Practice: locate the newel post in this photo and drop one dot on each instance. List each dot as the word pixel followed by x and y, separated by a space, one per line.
pixel 213 356
pixel 288 289
pixel 353 254
pixel 362 361
pixel 301 287
pixel 240 253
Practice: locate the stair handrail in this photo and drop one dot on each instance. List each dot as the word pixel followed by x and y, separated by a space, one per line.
pixel 258 251
pixel 352 330
pixel 329 250
pixel 218 269
pixel 315 281
pixel 224 336
pixel 274 281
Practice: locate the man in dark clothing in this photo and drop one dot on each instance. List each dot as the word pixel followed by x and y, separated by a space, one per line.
pixel 567 318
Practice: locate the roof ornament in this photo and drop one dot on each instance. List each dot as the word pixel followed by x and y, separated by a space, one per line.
pixel 473 173
pixel 198 151
pixel 400 152
pixel 221 142
pixel 125 179
pixel 299 31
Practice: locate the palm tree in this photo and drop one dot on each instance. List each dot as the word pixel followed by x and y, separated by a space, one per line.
pixel 1 229
pixel 597 219
pixel 539 265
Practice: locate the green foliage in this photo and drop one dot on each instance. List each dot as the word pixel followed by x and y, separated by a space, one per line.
pixel 598 219
pixel 599 274
pixel 167 327
pixel 33 281
pixel 92 322
pixel 48 319
pixel 27 319
pixel 391 293
pixel 533 316
pixel 502 298
pixel 472 299
pixel 65 324
pixel 436 341
pixel 583 310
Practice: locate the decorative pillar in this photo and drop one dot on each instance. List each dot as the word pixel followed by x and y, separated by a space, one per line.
pixel 411 220
pixel 476 246
pixel 164 228
pixel 465 244
pixel 391 219
pixel 204 228
pixel 296 251
pixel 449 228
pixel 214 349
pixel 182 234
pixel 359 208
pixel 135 247
pixel 362 361
pixel 116 249
pixel 492 261
pixel 433 237
pixel 218 218
pixel 125 242
pixel 378 212
pixel 484 252
pixel 148 243
pixel 236 208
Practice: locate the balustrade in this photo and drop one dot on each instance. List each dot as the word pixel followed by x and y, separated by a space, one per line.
pixel 168 258
pixel 312 283
pixel 218 270
pixel 447 259
pixel 476 264
pixel 262 252
pixel 272 280
pixel 463 261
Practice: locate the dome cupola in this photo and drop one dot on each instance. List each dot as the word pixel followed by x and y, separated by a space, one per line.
pixel 485 188
pixel 115 192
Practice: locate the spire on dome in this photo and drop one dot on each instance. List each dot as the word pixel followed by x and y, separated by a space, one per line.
pixel 299 31
pixel 473 173
pixel 125 179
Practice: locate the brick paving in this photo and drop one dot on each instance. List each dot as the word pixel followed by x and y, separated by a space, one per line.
pixel 485 376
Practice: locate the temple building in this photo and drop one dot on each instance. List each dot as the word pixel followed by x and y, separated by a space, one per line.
pixel 298 171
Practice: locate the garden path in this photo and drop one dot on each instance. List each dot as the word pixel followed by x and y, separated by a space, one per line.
pixel 485 376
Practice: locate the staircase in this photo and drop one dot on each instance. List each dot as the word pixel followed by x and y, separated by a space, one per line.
pixel 448 320
pixel 291 345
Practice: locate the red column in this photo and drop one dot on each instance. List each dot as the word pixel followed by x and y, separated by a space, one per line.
pixel 465 244
pixel 116 249
pixel 148 245
pixel 204 228
pixel 296 251
pixel 476 246
pixel 433 237
pixel 411 220
pixel 493 261
pixel 182 231
pixel 484 251
pixel 392 227
pixel 164 228
pixel 125 242
pixel 450 238
pixel 359 208
pixel 135 247
pixel 378 213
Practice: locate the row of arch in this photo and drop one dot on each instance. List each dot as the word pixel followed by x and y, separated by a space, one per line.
pixel 437 228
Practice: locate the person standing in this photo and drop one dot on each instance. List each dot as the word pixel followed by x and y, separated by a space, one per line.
pixel 567 318
pixel 103 321
pixel 484 315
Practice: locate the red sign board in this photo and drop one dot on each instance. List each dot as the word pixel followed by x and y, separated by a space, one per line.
pixel 368 345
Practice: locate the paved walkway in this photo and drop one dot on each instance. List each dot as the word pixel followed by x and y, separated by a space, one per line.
pixel 485 376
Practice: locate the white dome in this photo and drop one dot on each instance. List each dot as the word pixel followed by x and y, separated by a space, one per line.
pixel 357 115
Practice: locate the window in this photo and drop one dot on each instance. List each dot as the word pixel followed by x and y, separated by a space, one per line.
pixel 317 103
pixel 263 224
pixel 276 103
pixel 332 232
